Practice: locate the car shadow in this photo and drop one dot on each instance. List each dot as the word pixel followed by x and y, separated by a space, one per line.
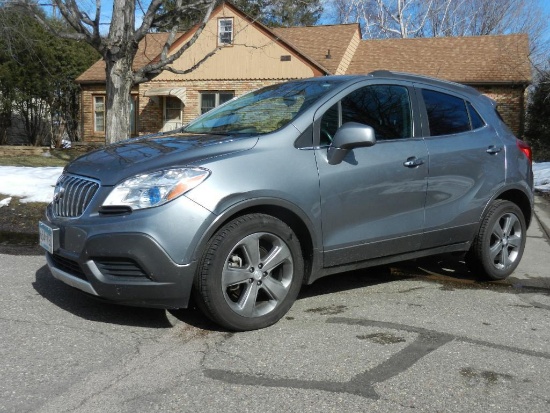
pixel 351 280
pixel 449 271
pixel 89 308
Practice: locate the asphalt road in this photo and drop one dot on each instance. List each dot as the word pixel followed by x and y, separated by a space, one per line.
pixel 414 337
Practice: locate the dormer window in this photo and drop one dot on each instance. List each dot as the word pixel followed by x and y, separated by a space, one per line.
pixel 225 31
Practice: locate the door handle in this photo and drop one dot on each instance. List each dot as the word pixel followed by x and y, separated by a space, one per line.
pixel 492 150
pixel 413 162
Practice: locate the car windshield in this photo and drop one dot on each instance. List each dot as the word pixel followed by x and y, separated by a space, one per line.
pixel 264 110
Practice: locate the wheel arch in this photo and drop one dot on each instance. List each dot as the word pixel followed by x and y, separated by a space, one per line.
pixel 290 214
pixel 521 199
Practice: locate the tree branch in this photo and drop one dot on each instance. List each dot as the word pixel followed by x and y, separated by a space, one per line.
pixel 156 67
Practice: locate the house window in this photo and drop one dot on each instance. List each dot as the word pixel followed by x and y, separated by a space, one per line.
pixel 99 114
pixel 209 100
pixel 172 113
pixel 225 31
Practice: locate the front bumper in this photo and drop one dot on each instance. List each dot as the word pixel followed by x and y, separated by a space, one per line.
pixel 142 275
pixel 144 259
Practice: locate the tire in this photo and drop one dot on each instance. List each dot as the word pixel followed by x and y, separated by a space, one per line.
pixel 250 273
pixel 499 245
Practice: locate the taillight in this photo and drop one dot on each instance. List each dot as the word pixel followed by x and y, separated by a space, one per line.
pixel 526 149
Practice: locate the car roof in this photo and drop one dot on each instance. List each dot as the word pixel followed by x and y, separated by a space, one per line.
pixel 409 77
pixel 432 81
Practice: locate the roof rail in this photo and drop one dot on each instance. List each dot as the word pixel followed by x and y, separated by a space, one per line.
pixel 424 79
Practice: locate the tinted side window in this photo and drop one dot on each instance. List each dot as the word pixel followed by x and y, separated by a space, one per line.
pixel 385 108
pixel 477 121
pixel 447 114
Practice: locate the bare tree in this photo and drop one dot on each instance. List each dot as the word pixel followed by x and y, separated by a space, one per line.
pixel 486 17
pixel 436 18
pixel 119 46
pixel 388 18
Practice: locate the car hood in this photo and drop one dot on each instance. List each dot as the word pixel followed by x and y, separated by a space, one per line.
pixel 119 161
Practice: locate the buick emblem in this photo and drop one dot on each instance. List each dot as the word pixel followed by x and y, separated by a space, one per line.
pixel 58 193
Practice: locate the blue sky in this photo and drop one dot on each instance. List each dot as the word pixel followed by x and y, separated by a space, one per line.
pixel 545 5
pixel 107 7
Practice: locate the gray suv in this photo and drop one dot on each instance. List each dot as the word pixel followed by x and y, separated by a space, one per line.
pixel 288 184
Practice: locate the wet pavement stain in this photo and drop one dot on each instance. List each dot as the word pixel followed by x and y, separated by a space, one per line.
pixel 485 376
pixel 452 283
pixel 364 384
pixel 382 338
pixel 329 310
pixel 520 305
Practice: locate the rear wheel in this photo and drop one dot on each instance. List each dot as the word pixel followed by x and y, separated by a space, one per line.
pixel 499 245
pixel 250 273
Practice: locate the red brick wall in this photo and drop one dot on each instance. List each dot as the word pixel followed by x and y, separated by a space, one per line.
pixel 151 110
pixel 511 104
pixel 87 112
pixel 150 119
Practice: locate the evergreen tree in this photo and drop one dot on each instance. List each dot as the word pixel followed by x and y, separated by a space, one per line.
pixel 273 13
pixel 538 119
pixel 282 13
pixel 37 72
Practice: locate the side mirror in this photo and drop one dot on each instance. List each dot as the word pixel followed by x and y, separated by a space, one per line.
pixel 350 135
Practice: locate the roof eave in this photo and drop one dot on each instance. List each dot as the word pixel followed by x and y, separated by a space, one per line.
pixel 91 82
pixel 495 83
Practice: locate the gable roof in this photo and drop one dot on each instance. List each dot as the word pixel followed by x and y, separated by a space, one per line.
pixel 148 50
pixel 502 59
pixel 472 60
pixel 317 41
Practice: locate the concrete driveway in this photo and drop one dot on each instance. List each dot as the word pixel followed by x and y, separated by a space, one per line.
pixel 418 336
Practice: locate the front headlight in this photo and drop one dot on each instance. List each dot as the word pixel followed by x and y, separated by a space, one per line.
pixel 155 188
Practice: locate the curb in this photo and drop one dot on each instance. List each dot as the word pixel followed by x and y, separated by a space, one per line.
pixel 542 214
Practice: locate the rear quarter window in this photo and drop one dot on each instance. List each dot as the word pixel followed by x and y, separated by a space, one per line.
pixel 476 120
pixel 447 114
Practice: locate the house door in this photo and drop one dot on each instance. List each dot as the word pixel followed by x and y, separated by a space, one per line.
pixel 172 116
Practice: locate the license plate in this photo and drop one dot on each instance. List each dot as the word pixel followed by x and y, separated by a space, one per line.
pixel 46 236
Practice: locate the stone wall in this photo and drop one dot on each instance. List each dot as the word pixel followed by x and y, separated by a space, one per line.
pixel 8 150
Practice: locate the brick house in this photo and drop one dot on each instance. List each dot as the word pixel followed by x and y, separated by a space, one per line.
pixel 252 55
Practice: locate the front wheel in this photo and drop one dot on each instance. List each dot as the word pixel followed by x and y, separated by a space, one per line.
pixel 250 273
pixel 499 245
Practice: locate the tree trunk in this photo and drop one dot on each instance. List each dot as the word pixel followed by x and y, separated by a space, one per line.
pixel 119 86
pixel 119 55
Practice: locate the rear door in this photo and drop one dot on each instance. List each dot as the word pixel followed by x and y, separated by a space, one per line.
pixel 372 203
pixel 466 164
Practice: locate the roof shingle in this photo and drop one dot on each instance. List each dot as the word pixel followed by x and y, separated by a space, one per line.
pixel 317 41
pixel 149 48
pixel 475 59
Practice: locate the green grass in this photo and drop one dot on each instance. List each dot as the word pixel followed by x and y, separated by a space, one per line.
pixel 57 158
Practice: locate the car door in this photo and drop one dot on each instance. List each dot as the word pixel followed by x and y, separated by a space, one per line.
pixel 372 203
pixel 466 164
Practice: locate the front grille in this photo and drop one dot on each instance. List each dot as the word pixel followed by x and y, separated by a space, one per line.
pixel 119 267
pixel 72 195
pixel 69 266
